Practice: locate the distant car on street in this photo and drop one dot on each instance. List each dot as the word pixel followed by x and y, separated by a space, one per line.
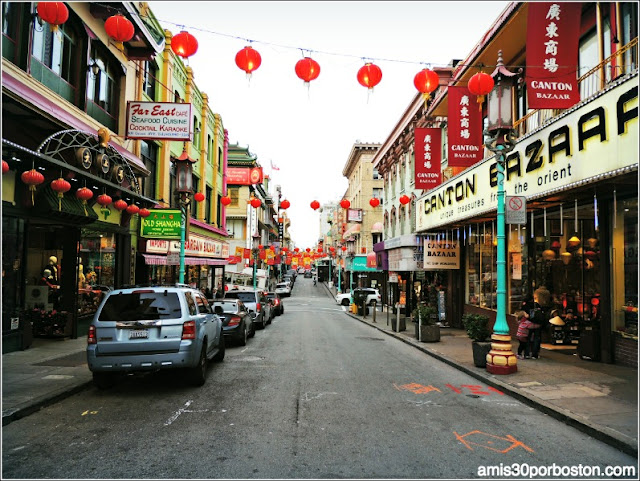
pixel 308 275
pixel 237 324
pixel 346 298
pixel 278 305
pixel 256 303
pixel 283 289
pixel 153 328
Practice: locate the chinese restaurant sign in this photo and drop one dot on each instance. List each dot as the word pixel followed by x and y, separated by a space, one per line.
pixel 244 176
pixel 428 150
pixel 161 224
pixel 553 31
pixel 465 129
pixel 158 121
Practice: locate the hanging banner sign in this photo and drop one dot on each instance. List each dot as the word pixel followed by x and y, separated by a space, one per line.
pixel 553 32
pixel 428 150
pixel 161 224
pixel 440 254
pixel 465 129
pixel 244 175
pixel 158 121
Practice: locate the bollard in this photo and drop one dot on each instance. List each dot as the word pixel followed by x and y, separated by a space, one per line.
pixel 374 310
pixel 398 319
pixel 364 308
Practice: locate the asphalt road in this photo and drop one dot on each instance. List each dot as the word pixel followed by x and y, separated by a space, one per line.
pixel 316 394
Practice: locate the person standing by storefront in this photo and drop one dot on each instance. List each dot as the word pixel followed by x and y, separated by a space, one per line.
pixel 539 315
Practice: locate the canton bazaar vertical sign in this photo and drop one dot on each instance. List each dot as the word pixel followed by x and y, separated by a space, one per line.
pixel 428 148
pixel 465 129
pixel 553 31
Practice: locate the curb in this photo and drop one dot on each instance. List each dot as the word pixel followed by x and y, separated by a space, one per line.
pixel 20 413
pixel 600 432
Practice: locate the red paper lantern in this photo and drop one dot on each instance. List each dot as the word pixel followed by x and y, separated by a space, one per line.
pixel 54 13
pixel 248 59
pixel 345 204
pixel 344 248
pixel 374 202
pixel 426 81
pixel 60 186
pixel 104 200
pixel 308 249
pixel 285 204
pixel 133 209
pixel 296 249
pixel 144 213
pixel 84 194
pixel 32 178
pixel 119 29
pixel 255 202
pixel 307 69
pixel 405 199
pixel 198 197
pixel 184 44
pixel 120 205
pixel 226 200
pixel 315 205
pixel 5 167
pixel 332 249
pixel 369 75
pixel 480 85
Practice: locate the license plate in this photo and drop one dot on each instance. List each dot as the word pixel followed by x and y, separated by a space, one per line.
pixel 139 334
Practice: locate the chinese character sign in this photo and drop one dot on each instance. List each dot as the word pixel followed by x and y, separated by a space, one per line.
pixel 553 31
pixel 465 128
pixel 428 151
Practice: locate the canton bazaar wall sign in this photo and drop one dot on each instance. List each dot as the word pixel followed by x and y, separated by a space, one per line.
pixel 598 138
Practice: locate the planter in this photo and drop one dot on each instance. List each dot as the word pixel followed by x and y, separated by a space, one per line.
pixel 429 333
pixel 394 322
pixel 361 311
pixel 480 351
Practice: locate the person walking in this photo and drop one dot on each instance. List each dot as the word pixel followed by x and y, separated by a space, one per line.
pixel 524 327
pixel 540 317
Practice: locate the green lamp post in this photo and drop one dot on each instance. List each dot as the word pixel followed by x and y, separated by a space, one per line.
pixel 500 139
pixel 184 189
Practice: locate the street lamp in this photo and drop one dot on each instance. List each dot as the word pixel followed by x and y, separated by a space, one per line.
pixel 184 189
pixel 500 139
pixel 256 243
pixel 351 251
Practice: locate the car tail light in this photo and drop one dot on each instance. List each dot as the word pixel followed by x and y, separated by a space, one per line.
pixel 91 336
pixel 276 302
pixel 234 321
pixel 258 307
pixel 189 330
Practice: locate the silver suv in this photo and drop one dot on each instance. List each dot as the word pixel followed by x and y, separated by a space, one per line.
pixel 256 303
pixel 153 328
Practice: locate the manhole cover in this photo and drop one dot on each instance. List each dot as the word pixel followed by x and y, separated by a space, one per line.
pixel 370 338
pixel 71 360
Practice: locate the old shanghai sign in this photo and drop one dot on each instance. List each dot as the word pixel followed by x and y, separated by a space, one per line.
pixel 161 224
pixel 441 254
pixel 158 121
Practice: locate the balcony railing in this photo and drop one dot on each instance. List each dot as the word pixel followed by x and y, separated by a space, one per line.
pixel 623 62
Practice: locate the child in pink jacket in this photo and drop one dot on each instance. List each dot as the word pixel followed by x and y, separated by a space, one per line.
pixel 524 324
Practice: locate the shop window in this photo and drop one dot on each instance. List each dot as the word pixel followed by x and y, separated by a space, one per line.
pixel 149 155
pixel 629 30
pixel 624 266
pixel 96 269
pixel 11 17
pixel 195 182
pixel 481 266
pixel 234 195
pixel 207 208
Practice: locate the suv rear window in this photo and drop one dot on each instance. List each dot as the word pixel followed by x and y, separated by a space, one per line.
pixel 243 296
pixel 141 306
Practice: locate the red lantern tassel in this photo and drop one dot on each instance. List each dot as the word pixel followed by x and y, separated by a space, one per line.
pixel 480 99
pixel 60 196
pixel 84 206
pixel 32 188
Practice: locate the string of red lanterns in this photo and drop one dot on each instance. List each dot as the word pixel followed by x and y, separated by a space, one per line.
pixel 369 75
pixel 375 202
pixel 226 200
pixel 480 85
pixel 307 69
pixel 198 197
pixel 345 204
pixel 248 59
pixel 120 29
pixel 60 186
pixel 184 44
pixel 32 178
pixel 54 13
pixel 285 204
pixel 84 194
pixel 405 199
pixel 315 205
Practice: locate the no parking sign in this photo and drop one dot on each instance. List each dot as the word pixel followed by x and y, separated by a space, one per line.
pixel 516 209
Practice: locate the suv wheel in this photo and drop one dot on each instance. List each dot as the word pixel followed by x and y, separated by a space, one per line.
pixel 245 334
pixel 197 373
pixel 345 302
pixel 221 350
pixel 104 380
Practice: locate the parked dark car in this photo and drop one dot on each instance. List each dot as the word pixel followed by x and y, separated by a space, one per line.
pixel 236 320
pixel 278 305
pixel 308 275
pixel 153 328
pixel 256 303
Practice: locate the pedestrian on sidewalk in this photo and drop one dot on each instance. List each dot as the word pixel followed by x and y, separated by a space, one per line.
pixel 524 326
pixel 539 315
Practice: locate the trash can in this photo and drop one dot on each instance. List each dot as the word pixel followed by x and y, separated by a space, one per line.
pixel 589 342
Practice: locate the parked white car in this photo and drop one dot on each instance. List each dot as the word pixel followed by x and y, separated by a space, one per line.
pixel 283 289
pixel 346 298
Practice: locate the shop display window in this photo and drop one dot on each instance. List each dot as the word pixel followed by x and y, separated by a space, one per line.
pixel 624 266
pixel 95 271
pixel 481 266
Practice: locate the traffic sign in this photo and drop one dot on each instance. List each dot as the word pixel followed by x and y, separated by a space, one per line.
pixel 516 209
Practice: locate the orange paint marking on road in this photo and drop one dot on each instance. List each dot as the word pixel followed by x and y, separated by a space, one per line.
pixel 485 440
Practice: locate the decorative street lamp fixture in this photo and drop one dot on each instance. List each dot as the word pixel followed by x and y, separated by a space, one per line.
pixel 351 252
pixel 500 139
pixel 255 245
pixel 183 191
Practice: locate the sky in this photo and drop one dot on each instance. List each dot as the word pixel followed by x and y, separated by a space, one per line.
pixel 307 131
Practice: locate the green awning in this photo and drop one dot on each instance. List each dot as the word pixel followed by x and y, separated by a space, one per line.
pixel 71 209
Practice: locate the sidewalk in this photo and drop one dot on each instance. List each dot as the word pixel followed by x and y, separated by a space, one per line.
pixel 599 399
pixel 596 398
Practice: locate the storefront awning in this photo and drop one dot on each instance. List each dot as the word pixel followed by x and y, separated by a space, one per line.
pixel 68 207
pixel 354 229
pixel 377 228
pixel 158 260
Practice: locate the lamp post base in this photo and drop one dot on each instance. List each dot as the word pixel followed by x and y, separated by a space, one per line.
pixel 501 359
